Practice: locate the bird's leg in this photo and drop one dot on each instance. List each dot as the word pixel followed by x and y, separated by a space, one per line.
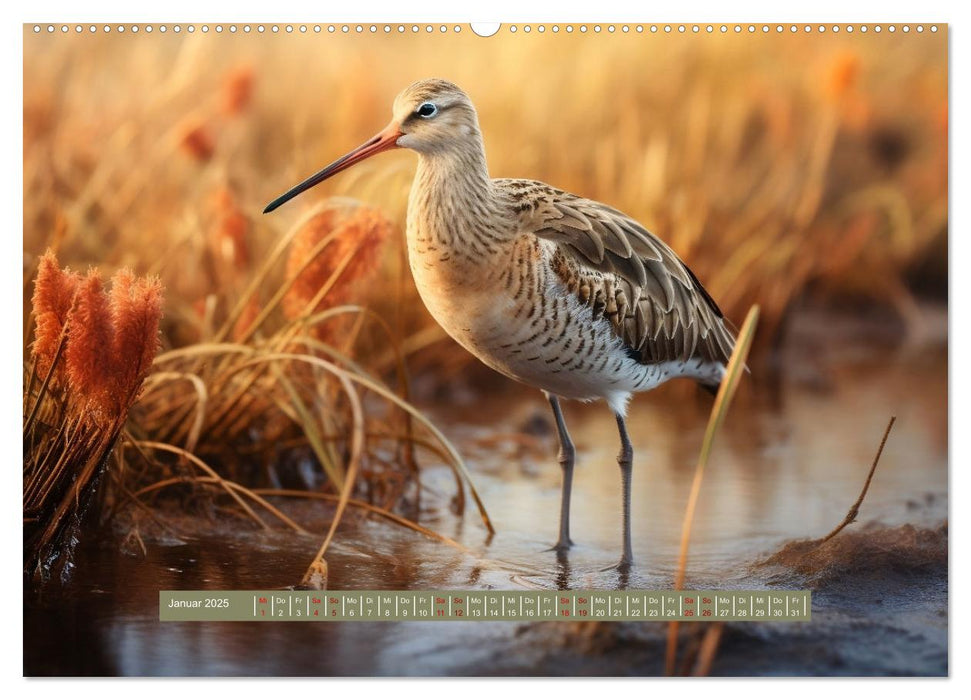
pixel 566 458
pixel 626 460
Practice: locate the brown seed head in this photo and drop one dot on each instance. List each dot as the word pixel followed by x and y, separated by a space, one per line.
pixel 136 309
pixel 841 75
pixel 197 141
pixel 88 356
pixel 54 291
pixel 111 338
pixel 237 90
pixel 230 229
pixel 359 233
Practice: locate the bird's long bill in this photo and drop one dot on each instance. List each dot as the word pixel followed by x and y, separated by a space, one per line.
pixel 383 141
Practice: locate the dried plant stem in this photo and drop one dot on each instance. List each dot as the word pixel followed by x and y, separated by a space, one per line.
pixel 42 392
pixel 377 510
pixel 855 508
pixel 307 423
pixel 416 342
pixel 228 486
pixel 225 484
pixel 99 452
pixel 130 497
pixel 42 480
pixel 729 384
pixel 29 386
pixel 709 646
pixel 203 350
pixel 357 446
pixel 726 391
pixel 292 493
pixel 336 437
pixel 201 403
pixel 232 405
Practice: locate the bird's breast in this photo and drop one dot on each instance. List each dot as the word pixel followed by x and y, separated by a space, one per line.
pixel 509 313
pixel 461 289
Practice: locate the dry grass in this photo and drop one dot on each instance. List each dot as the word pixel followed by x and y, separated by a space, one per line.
pixel 288 377
pixel 267 386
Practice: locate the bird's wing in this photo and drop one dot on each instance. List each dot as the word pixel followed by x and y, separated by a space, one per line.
pixel 625 273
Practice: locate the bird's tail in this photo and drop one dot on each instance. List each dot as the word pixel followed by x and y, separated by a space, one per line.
pixel 713 384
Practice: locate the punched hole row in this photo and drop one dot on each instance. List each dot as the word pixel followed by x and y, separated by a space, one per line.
pixel 513 29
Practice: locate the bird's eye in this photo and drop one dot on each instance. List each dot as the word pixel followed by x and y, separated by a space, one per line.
pixel 427 110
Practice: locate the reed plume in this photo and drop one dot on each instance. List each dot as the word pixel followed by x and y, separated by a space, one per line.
pixel 230 229
pixel 90 376
pixel 237 91
pixel 198 142
pixel 333 257
pixel 841 75
pixel 136 309
pixel 97 346
pixel 53 296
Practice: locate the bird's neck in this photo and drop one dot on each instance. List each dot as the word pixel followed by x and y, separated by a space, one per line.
pixel 453 206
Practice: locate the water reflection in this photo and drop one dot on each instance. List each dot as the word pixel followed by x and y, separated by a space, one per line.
pixel 780 471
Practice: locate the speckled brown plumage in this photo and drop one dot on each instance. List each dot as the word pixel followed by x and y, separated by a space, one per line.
pixel 624 272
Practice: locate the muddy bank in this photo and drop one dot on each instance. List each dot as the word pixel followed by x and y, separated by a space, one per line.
pixel 880 607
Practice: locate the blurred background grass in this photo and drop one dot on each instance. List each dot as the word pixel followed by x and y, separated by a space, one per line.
pixel 781 167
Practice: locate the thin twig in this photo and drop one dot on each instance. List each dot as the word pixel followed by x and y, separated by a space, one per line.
pixel 855 508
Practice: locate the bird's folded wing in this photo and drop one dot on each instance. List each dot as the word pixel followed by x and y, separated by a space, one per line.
pixel 611 262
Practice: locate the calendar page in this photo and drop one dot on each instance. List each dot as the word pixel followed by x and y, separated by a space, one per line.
pixel 516 349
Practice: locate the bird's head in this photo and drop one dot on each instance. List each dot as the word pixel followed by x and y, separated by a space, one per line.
pixel 431 117
pixel 434 116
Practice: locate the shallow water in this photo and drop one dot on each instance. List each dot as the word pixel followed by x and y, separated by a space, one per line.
pixel 787 466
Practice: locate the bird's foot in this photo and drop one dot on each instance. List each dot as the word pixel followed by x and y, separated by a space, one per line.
pixel 561 547
pixel 623 566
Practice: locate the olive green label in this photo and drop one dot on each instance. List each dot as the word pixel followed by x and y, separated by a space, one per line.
pixel 484 606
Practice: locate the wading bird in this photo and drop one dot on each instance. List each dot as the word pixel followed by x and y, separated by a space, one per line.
pixel 551 289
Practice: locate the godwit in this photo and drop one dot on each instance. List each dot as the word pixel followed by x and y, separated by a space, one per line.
pixel 553 290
